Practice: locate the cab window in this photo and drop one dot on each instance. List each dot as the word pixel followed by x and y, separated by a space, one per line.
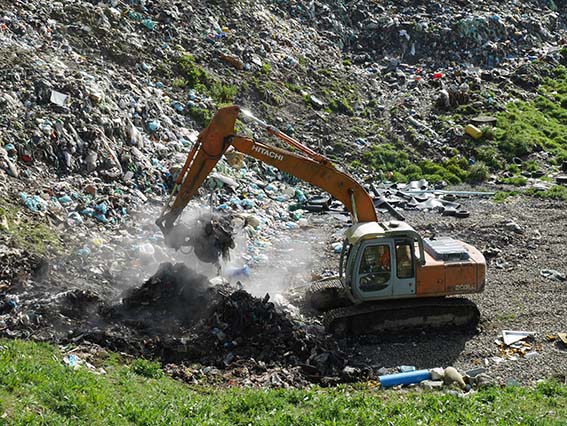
pixel 375 268
pixel 404 260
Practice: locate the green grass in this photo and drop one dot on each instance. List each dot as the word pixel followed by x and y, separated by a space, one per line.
pixel 515 180
pixel 202 116
pixel 27 233
pixel 540 124
pixel 197 78
pixel 394 158
pixel 523 128
pixel 502 196
pixel 36 387
pixel 556 192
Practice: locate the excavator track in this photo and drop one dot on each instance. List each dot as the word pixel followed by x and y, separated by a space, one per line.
pixel 399 315
pixel 328 294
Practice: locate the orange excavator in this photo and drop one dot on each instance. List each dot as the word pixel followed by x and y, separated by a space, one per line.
pixel 390 278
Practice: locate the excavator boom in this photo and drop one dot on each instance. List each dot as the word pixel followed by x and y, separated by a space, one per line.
pixel 306 165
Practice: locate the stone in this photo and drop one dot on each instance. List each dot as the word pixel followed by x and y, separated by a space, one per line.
pixel 431 384
pixel 453 376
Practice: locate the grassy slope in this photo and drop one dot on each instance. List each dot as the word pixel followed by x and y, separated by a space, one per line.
pixel 33 235
pixel 37 388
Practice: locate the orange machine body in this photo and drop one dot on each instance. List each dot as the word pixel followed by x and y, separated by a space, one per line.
pixel 448 277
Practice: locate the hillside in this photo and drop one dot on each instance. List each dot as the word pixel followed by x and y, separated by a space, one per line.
pixel 101 102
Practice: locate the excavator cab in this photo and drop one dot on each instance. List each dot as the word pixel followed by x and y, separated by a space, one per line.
pixel 380 261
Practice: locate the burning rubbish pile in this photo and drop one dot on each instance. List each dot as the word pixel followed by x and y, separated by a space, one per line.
pixel 174 297
pixel 179 317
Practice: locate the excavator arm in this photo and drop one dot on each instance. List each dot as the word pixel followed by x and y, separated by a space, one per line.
pixel 308 166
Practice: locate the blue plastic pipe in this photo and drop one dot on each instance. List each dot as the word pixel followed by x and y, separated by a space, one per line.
pixel 408 378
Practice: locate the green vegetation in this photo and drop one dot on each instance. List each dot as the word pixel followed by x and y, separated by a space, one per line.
pixel 179 83
pixel 223 93
pixel 515 180
pixel 36 387
pixel 342 106
pixel 27 233
pixel 266 68
pixel 478 173
pixel 197 78
pixel 556 192
pixel 540 124
pixel 293 87
pixel 146 368
pixel 392 158
pixel 502 196
pixel 202 116
pixel 194 75
pixel 523 128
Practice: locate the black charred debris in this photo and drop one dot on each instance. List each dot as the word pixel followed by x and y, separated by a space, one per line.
pixel 180 318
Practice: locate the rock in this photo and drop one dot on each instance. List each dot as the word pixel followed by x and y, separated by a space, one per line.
pixel 483 380
pixel 512 226
pixel 453 376
pixel 431 384
pixel 437 373
pixel 475 371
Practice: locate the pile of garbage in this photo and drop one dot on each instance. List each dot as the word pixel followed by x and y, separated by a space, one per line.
pixel 178 316
pixel 214 325
pixel 175 296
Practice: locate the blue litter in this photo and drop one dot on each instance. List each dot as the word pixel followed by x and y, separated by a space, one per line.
pixel 149 24
pixel 89 211
pixel 65 199
pixel 102 208
pixel 35 204
pixel 408 378
pixel 238 272
pixel 247 204
pixel 74 218
pixel 71 360
pixel 101 218
pixel 300 196
pixel 84 252
pixel 154 125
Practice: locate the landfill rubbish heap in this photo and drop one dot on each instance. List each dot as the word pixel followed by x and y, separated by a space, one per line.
pixel 102 101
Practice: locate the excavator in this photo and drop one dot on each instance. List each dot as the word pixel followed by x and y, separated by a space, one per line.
pixel 390 278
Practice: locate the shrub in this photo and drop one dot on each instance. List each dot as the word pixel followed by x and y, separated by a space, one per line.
pixel 145 368
pixel 478 172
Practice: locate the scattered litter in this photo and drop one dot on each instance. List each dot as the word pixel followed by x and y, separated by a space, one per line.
pixel 554 275
pixel 58 98
pixel 453 376
pixel 511 336
pixel 408 378
pixel 407 368
pixel 71 360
